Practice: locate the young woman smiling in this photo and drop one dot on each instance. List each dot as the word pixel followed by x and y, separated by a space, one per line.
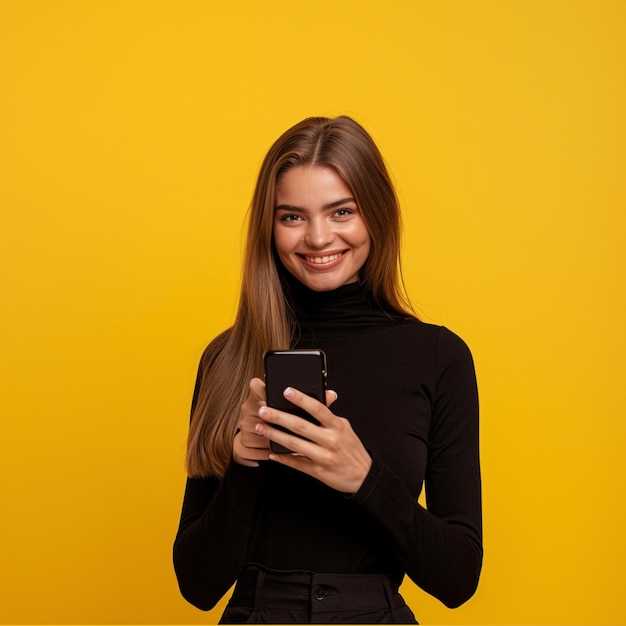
pixel 327 534
pixel 319 233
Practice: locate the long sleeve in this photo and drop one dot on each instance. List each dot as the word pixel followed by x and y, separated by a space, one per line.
pixel 215 524
pixel 212 540
pixel 441 548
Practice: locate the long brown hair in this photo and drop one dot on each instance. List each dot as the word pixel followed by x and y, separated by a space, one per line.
pixel 264 320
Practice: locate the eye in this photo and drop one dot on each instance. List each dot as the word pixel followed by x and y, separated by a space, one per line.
pixel 342 213
pixel 289 217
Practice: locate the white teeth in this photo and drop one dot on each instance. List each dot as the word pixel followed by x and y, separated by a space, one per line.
pixel 318 260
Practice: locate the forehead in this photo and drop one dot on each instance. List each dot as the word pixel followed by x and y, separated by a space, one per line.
pixel 311 185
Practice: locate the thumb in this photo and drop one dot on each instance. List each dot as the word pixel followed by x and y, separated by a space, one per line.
pixel 331 396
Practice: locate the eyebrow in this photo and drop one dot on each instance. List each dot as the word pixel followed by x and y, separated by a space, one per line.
pixel 330 205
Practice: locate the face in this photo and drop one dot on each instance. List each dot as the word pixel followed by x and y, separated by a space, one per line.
pixel 319 233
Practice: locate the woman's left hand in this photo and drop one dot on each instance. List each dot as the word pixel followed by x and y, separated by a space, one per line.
pixel 331 452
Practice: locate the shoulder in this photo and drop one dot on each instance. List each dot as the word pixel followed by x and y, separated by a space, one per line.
pixel 438 335
pixel 447 340
pixel 451 345
pixel 455 371
pixel 438 345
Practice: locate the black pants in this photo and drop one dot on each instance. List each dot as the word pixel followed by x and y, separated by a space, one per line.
pixel 263 597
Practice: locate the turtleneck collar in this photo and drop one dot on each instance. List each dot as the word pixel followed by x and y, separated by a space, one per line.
pixel 347 310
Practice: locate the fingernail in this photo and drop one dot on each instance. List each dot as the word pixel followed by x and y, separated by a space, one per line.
pixel 288 392
pixel 259 428
pixel 264 412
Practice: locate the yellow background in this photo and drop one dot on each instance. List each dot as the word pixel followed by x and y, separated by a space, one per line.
pixel 131 133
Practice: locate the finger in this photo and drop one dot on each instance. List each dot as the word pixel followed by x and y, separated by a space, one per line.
pixel 312 406
pixel 249 409
pixel 255 455
pixel 257 387
pixel 302 437
pixel 296 445
pixel 248 456
pixel 254 441
pixel 291 422
pixel 246 426
pixel 331 396
pixel 295 461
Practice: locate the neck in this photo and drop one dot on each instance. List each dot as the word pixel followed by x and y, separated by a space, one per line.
pixel 343 311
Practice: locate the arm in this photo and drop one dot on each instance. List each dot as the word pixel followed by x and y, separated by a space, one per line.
pixel 212 539
pixel 441 548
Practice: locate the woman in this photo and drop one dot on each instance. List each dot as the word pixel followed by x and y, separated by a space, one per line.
pixel 326 534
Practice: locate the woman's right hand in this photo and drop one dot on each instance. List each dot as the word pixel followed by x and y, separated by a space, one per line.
pixel 248 447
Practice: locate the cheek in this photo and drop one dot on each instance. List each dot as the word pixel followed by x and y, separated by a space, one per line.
pixel 283 241
pixel 365 250
pixel 362 240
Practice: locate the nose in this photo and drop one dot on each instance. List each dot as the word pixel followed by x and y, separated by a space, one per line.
pixel 319 233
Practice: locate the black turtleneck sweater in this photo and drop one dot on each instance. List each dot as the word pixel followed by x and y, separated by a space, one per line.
pixel 409 391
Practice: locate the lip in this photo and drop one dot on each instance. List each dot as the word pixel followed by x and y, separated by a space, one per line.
pixel 334 258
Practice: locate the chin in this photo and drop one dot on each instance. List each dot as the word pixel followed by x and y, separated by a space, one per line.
pixel 324 285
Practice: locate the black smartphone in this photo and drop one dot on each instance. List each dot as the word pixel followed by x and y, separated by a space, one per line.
pixel 304 370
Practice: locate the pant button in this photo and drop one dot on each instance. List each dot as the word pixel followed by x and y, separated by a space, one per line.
pixel 319 592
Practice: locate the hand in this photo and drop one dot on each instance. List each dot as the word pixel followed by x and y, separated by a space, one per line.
pixel 331 452
pixel 248 447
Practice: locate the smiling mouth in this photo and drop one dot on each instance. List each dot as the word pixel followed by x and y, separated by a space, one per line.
pixel 321 260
